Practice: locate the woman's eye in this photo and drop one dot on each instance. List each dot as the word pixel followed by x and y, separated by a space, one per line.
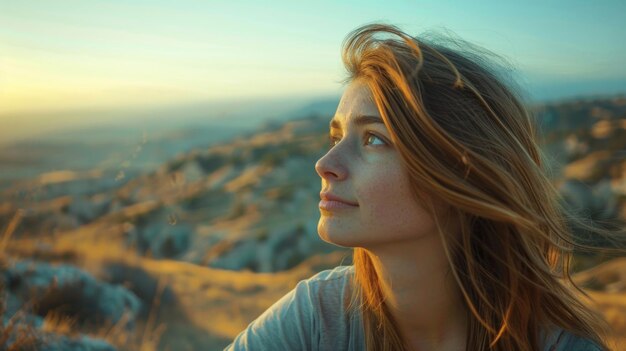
pixel 373 136
pixel 370 139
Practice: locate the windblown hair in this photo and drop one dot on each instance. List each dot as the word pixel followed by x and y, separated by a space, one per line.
pixel 467 141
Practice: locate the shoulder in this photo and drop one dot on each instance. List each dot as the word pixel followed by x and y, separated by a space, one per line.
pixel 327 289
pixel 339 325
pixel 308 317
pixel 336 276
pixel 565 340
pixel 326 285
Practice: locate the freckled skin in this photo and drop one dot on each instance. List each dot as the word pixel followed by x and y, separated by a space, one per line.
pixel 397 233
pixel 360 168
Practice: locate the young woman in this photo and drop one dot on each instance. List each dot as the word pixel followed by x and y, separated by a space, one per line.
pixel 434 177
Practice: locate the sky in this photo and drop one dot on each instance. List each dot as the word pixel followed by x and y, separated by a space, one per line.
pixel 58 56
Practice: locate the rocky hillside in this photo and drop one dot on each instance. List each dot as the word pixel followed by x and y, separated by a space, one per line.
pixel 250 203
pixel 585 142
pixel 190 253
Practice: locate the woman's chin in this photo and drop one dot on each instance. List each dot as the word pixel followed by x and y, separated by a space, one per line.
pixel 336 238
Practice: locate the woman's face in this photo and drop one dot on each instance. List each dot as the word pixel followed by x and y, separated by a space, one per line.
pixel 363 167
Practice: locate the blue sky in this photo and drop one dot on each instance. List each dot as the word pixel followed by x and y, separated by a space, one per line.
pixel 64 55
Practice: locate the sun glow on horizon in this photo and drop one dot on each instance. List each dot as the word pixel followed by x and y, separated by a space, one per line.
pixel 87 54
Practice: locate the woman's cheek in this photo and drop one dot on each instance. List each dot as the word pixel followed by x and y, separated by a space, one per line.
pixel 383 194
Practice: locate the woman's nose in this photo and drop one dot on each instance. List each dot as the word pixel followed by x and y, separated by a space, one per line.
pixel 330 167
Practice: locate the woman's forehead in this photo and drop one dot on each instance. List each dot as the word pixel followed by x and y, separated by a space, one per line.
pixel 357 100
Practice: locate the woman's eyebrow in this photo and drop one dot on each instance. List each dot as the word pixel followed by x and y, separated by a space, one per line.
pixel 359 120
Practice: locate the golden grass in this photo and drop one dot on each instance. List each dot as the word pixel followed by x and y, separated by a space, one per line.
pixel 15 335
pixel 605 283
pixel 152 332
pixel 58 323
pixel 25 337
pixel 584 168
pixel 219 303
pixel 8 232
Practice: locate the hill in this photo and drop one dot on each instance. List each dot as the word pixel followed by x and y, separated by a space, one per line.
pixel 206 241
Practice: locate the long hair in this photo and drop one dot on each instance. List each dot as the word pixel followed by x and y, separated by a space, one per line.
pixel 466 140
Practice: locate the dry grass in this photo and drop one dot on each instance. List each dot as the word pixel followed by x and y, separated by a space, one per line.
pixel 16 335
pixel 144 337
pixel 59 323
pixel 10 229
pixel 152 332
pixel 117 334
pixel 214 305
pixel 606 285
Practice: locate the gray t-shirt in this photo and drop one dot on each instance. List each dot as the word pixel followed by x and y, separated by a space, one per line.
pixel 312 317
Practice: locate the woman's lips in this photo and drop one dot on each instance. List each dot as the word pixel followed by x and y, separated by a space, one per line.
pixel 328 196
pixel 330 205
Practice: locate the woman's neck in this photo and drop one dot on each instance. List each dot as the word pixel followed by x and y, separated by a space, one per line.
pixel 421 293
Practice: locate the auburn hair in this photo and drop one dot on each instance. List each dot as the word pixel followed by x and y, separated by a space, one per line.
pixel 467 140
